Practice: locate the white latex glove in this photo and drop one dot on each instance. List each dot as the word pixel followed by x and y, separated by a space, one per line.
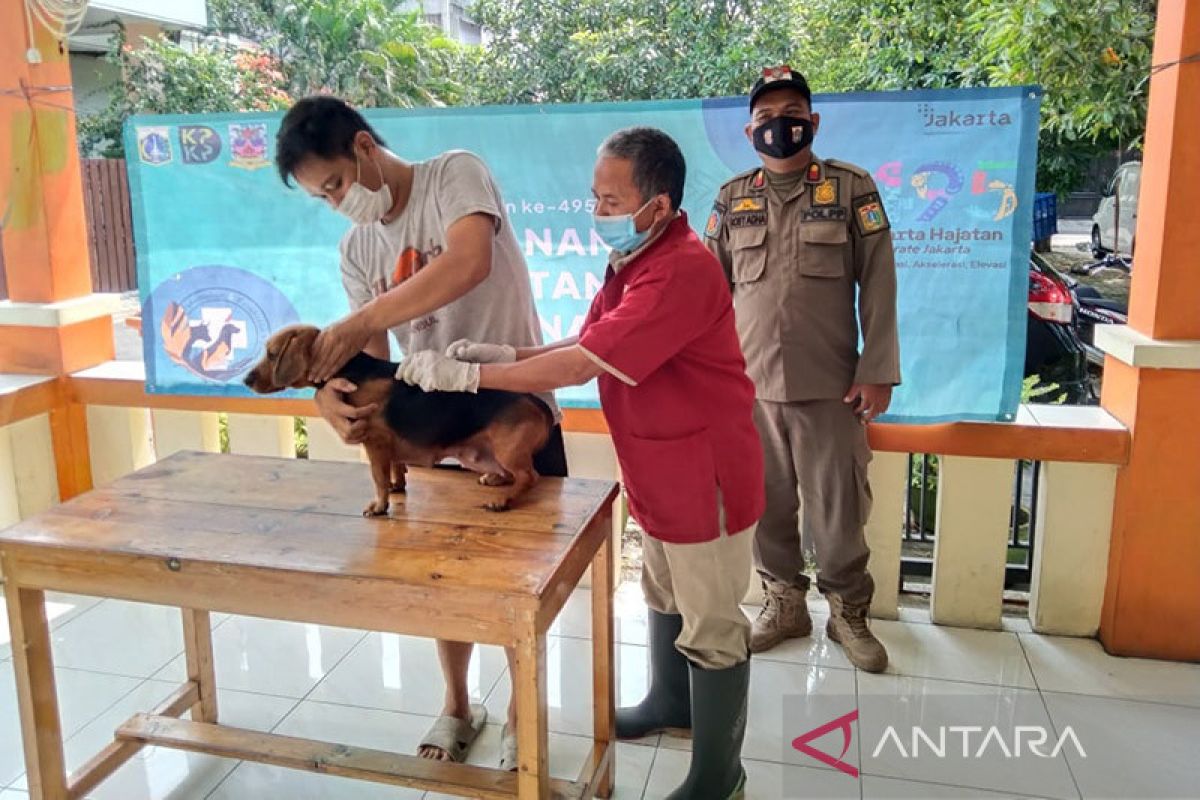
pixel 434 372
pixel 482 352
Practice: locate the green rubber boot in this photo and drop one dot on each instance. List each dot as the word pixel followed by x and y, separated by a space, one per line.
pixel 667 707
pixel 718 728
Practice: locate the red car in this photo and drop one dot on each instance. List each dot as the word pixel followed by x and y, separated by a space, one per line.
pixel 1054 350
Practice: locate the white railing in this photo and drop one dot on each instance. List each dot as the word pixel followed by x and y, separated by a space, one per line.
pixel 1080 449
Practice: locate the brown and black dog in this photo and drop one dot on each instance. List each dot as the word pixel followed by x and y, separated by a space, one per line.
pixel 493 433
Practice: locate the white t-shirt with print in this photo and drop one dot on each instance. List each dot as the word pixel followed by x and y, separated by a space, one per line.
pixel 378 257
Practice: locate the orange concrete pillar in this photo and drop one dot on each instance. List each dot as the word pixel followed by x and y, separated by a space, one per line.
pixel 51 323
pixel 1152 374
pixel 45 232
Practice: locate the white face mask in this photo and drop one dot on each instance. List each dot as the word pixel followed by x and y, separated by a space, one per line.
pixel 363 206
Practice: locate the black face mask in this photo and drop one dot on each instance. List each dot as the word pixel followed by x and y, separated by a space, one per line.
pixel 777 137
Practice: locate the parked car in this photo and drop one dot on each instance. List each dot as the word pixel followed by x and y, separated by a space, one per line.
pixel 1115 221
pixel 1054 350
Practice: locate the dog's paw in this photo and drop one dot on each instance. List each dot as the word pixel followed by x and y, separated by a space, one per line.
pixel 498 505
pixel 397 488
pixel 376 509
pixel 494 479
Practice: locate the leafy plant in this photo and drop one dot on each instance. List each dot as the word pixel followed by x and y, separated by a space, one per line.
pixel 596 50
pixel 300 436
pixel 161 77
pixel 262 54
pixel 1092 60
pixel 922 491
pixel 1033 390
pixel 365 51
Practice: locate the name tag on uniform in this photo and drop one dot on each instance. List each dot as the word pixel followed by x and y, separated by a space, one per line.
pixel 821 213
pixel 748 219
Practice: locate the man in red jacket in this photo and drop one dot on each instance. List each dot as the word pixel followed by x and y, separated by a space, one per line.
pixel 660 336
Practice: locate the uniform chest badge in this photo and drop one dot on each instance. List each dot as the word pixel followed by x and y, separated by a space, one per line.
pixel 746 204
pixel 826 192
pixel 747 212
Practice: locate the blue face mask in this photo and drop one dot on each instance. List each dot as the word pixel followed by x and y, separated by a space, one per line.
pixel 620 232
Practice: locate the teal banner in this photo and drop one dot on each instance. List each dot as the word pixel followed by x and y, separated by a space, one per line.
pixel 227 253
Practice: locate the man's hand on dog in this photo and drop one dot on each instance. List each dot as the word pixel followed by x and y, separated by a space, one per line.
pixel 349 421
pixel 434 372
pixel 482 352
pixel 336 345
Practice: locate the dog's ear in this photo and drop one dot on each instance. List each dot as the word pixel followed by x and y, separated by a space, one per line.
pixel 292 360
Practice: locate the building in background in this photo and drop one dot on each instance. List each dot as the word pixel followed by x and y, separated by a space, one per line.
pixel 449 15
pixel 92 76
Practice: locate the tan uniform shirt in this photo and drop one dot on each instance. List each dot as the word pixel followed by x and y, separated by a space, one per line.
pixel 795 264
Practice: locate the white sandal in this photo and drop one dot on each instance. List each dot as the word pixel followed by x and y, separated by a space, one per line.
pixel 508 751
pixel 454 736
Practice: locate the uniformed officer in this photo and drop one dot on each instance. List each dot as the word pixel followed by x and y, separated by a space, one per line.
pixel 799 238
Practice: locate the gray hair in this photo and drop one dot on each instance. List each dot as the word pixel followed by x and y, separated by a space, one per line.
pixel 658 165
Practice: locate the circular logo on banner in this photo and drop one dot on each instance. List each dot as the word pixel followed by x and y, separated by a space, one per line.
pixel 213 321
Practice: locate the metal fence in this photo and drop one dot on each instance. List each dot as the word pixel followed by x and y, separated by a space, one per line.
pixel 920 510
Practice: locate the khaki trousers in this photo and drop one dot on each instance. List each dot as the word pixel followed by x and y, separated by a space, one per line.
pixel 816 456
pixel 705 583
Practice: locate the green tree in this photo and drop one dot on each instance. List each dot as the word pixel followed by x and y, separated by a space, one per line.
pixel 360 50
pixel 1091 59
pixel 357 49
pixel 595 50
pixel 160 77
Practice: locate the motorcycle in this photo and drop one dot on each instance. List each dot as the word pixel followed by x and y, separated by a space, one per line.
pixel 1092 309
pixel 1063 315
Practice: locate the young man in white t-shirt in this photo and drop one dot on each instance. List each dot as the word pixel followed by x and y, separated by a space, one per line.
pixel 433 258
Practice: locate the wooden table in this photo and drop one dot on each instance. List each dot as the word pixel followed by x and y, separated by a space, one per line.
pixel 285 539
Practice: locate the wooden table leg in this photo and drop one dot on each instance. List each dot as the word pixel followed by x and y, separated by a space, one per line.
pixel 37 698
pixel 603 694
pixel 198 650
pixel 533 776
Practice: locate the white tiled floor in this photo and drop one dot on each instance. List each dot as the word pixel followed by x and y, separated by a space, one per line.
pixel 287 659
pixel 60 609
pixel 1137 720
